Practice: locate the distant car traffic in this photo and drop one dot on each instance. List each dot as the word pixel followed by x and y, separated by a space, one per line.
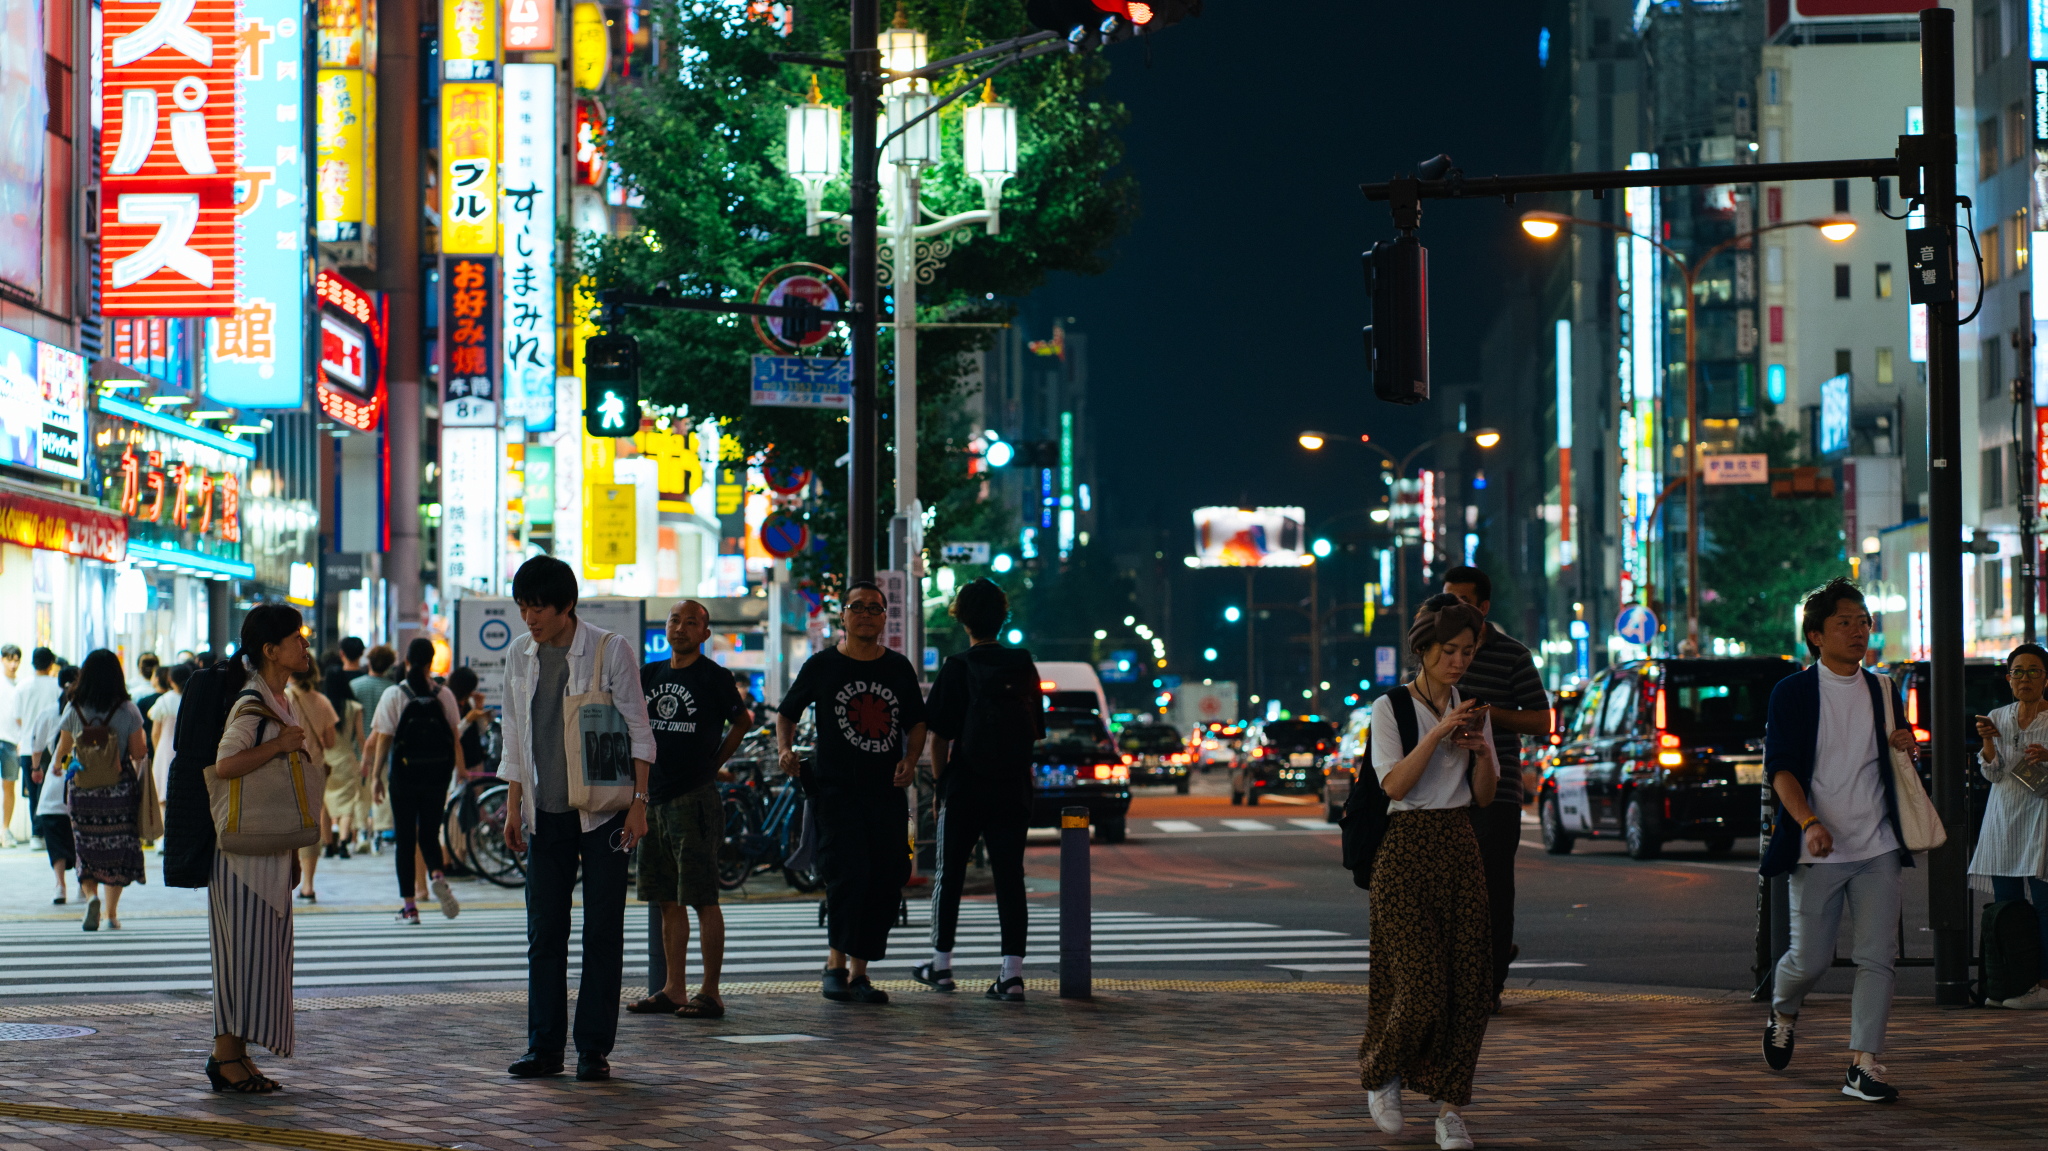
pixel 1354 754
pixel 1284 756
pixel 1156 753
pixel 1072 685
pixel 1220 745
pixel 1660 750
pixel 1077 764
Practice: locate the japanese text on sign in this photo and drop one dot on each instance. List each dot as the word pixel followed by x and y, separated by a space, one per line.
pixel 470 398
pixel 177 494
pixel 469 169
pixel 802 382
pixel 1736 469
pixel 528 222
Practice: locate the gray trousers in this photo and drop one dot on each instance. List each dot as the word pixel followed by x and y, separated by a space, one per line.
pixel 1871 889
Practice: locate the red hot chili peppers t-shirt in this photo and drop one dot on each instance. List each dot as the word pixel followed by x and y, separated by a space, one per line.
pixel 865 709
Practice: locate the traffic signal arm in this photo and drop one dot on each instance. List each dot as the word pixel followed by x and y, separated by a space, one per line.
pixel 1457 185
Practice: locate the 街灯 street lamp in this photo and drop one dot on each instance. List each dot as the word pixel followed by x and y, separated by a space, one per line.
pixel 1545 225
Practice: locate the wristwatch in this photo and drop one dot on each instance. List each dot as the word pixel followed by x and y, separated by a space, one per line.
pixel 641 796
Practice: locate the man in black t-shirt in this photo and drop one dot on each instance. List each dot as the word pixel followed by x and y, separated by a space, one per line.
pixel 335 684
pixel 871 732
pixel 698 719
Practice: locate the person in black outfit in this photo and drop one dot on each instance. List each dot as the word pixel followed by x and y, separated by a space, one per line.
pixel 986 713
pixel 347 668
pixel 870 735
pixel 417 723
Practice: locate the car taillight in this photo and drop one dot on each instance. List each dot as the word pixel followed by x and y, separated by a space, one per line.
pixel 1666 739
pixel 1660 709
pixel 1913 710
pixel 1127 759
pixel 1258 753
pixel 1556 739
pixel 1922 735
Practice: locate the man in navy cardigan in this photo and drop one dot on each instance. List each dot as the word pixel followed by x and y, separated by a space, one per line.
pixel 1837 830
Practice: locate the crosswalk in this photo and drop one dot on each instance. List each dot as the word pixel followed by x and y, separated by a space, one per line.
pixel 349 949
pixel 1223 826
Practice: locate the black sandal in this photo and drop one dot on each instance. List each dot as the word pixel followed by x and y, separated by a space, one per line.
pixel 1009 990
pixel 656 1004
pixel 701 1006
pixel 937 979
pixel 253 1084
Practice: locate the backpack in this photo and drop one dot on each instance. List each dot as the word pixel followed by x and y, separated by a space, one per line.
pixel 100 756
pixel 2010 938
pixel 422 742
pixel 1365 817
pixel 1004 706
pixel 188 809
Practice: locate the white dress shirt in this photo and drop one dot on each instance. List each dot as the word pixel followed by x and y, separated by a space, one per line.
pixel 621 678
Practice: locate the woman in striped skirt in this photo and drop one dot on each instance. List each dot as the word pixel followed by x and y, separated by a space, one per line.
pixel 2012 847
pixel 250 904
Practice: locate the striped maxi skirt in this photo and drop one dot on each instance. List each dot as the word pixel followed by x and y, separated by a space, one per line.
pixel 251 938
pixel 1431 989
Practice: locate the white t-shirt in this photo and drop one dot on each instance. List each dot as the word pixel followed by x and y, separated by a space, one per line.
pixel 392 705
pixel 1847 792
pixel 1447 781
pixel 165 708
pixel 10 727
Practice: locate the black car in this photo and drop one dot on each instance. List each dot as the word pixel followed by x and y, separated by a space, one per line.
pixel 1284 756
pixel 1077 765
pixel 1156 753
pixel 1661 749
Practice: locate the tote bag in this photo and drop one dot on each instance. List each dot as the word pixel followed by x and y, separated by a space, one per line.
pixel 1917 818
pixel 272 809
pixel 597 748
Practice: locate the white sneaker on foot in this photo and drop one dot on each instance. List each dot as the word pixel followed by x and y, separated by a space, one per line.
pixel 446 895
pixel 2035 999
pixel 1385 1103
pixel 1451 1134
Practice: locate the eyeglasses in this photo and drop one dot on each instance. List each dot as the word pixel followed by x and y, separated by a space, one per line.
pixel 867 609
pixel 2025 673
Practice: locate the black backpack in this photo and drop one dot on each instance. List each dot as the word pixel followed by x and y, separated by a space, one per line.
pixel 422 743
pixel 2010 935
pixel 1004 720
pixel 1364 821
pixel 195 742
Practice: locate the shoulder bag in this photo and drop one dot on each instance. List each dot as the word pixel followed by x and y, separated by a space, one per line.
pixel 596 747
pixel 272 809
pixel 1917 819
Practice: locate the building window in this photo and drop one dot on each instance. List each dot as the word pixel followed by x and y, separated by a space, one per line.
pixel 2019 134
pixel 1994 255
pixel 1777 324
pixel 1841 281
pixel 1844 362
pixel 1884 366
pixel 1987 148
pixel 1774 200
pixel 1774 265
pixel 1993 587
pixel 1884 281
pixel 2018 235
pixel 1841 195
pixel 1992 477
pixel 1991 365
pixel 1987 39
pixel 1771 87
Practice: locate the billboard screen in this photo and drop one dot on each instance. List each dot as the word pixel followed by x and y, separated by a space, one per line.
pixel 1249 537
pixel 1832 431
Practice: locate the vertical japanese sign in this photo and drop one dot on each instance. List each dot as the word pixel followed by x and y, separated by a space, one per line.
pixel 168 158
pixel 469 39
pixel 528 246
pixel 467 333
pixel 469 509
pixel 469 169
pixel 347 135
pixel 529 25
pixel 257 354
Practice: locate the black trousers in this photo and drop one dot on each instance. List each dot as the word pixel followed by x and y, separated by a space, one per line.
pixel 557 844
pixel 963 818
pixel 864 858
pixel 1499 828
pixel 418 803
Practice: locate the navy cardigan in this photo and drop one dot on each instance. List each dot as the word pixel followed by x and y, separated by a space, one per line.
pixel 1790 735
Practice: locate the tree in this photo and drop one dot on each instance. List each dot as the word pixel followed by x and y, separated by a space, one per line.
pixel 701 141
pixel 1759 556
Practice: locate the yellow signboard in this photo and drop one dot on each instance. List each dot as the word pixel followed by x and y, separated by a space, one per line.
pixel 469 39
pixel 598 453
pixel 675 454
pixel 589 46
pixel 469 169
pixel 346 121
pixel 611 525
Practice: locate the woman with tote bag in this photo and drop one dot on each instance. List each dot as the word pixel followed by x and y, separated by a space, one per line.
pixel 264 787
pixel 102 732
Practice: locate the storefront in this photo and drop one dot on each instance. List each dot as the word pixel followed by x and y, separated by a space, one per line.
pixel 57 565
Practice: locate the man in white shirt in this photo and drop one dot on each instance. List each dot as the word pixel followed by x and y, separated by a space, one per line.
pixel 34 701
pixel 10 743
pixel 560 657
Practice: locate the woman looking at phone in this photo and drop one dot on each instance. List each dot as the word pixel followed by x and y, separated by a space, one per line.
pixel 1432 961
pixel 2012 848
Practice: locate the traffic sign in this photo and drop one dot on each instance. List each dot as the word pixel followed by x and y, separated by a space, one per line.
pixel 785 480
pixel 964 553
pixel 802 382
pixel 783 534
pixel 1636 624
pixel 805 289
pixel 1385 668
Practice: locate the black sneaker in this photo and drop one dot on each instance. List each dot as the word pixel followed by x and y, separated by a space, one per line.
pixel 1777 1042
pixel 937 980
pixel 859 990
pixel 834 986
pixel 1866 1082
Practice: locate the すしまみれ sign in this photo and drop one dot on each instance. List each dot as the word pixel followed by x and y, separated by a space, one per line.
pixel 53 525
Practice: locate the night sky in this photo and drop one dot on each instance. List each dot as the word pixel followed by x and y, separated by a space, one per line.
pixel 1230 319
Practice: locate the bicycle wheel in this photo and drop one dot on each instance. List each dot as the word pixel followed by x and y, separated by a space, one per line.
pixel 735 859
pixel 489 855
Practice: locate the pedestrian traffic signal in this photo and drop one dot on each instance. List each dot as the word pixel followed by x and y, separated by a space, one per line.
pixel 611 386
pixel 1397 340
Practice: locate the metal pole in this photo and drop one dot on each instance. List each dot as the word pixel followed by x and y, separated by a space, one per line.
pixel 903 215
pixel 1948 896
pixel 1315 640
pixel 1692 471
pixel 863 90
pixel 1401 620
pixel 2030 464
pixel 1250 663
pixel 657 956
pixel 1076 974
pixel 398 237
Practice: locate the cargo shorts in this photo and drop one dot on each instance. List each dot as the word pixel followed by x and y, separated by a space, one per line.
pixel 679 858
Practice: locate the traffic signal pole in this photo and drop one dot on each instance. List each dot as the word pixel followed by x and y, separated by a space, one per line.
pixel 1925 167
pixel 863 105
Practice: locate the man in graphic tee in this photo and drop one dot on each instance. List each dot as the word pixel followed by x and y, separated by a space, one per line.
pixel 698 720
pixel 870 733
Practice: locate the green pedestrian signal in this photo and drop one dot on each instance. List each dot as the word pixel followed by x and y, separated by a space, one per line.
pixel 611 386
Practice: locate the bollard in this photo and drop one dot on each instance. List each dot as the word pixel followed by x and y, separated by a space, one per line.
pixel 1075 974
pixel 657 959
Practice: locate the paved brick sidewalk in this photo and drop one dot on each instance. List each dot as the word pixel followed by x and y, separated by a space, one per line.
pixel 1203 1066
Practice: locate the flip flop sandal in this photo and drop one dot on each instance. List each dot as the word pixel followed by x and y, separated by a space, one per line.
pixel 656 1004
pixel 701 1007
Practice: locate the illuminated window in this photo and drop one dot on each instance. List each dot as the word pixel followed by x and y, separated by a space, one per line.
pixel 1987 241
pixel 1884 281
pixel 2018 234
pixel 1884 365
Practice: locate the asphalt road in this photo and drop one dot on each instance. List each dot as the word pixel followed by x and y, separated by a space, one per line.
pixel 1594 916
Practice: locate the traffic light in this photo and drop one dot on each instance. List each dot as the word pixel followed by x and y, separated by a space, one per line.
pixel 611 386
pixel 1039 453
pixel 1397 340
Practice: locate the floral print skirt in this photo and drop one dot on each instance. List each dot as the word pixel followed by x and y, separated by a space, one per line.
pixel 103 824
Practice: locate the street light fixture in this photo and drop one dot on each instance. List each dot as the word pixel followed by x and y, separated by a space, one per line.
pixel 988 133
pixel 1313 441
pixel 1486 437
pixel 1545 225
pixel 814 152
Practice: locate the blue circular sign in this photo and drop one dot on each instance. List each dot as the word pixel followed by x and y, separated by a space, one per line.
pixel 783 534
pixel 1636 624
pixel 495 635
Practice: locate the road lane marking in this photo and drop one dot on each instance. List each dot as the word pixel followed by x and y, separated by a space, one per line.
pixel 1313 824
pixel 1247 825
pixel 789 1038
pixel 1176 826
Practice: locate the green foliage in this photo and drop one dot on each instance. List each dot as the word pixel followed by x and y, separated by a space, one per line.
pixel 702 141
pixel 1759 555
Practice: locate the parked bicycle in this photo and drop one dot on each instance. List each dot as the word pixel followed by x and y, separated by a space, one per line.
pixel 763 828
pixel 474 832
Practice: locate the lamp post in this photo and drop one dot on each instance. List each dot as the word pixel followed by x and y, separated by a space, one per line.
pixel 1544 225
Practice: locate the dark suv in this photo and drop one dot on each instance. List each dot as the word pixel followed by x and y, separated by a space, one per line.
pixel 1661 749
pixel 1155 753
pixel 1077 765
pixel 1283 756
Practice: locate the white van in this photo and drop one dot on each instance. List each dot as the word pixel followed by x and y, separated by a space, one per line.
pixel 1073 685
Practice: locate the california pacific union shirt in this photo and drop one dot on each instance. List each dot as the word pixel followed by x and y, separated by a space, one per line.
pixel 866 707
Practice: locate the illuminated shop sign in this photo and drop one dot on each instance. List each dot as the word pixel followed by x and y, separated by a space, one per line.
pixel 529 26
pixel 42 406
pixel 528 246
pixel 469 169
pixel 468 332
pixel 180 494
pixel 469 39
pixel 56 526
pixel 351 387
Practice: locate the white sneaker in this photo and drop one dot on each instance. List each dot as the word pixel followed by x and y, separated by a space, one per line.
pixel 2035 999
pixel 1451 1134
pixel 1385 1103
pixel 446 895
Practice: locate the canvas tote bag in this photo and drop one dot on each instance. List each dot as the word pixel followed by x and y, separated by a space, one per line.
pixel 272 809
pixel 596 746
pixel 1917 818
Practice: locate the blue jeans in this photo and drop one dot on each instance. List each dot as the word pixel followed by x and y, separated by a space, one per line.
pixel 2006 888
pixel 1869 890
